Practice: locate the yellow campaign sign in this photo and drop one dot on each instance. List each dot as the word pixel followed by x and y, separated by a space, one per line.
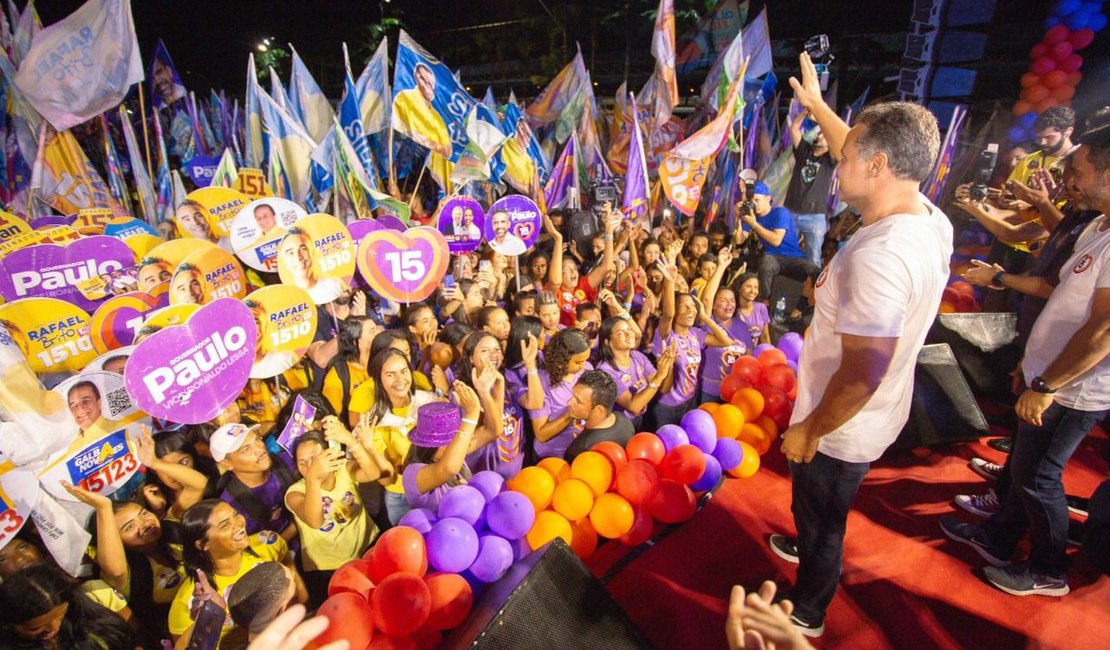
pixel 53 334
pixel 11 225
pixel 286 320
pixel 221 205
pixel 252 182
pixel 207 275
pixel 91 221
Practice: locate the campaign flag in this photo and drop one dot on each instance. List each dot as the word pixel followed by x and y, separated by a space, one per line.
pixel 116 185
pixel 26 29
pixel 163 183
pixel 699 47
pixel 484 139
pixel 524 159
pixel 5 32
pixel 565 88
pixel 488 99
pixel 665 90
pixel 935 186
pixel 309 101
pixel 360 191
pixel 372 91
pixel 350 120
pixel 322 178
pixel 757 40
pixel 82 65
pixel 562 186
pixel 724 191
pixel 70 183
pixel 254 149
pixel 635 200
pixel 166 86
pixel 226 172
pixel 280 95
pixel 290 150
pixel 430 106
pixel 684 168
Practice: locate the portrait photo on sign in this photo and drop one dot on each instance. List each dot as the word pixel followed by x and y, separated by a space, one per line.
pixel 220 205
pixel 317 255
pixel 52 334
pixel 460 220
pixel 286 320
pixel 207 275
pixel 512 225
pixel 258 228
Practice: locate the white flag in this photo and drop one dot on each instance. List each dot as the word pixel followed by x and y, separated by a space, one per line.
pixel 82 65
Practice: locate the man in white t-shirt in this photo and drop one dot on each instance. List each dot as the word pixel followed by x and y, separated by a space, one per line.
pixel 1067 369
pixel 875 301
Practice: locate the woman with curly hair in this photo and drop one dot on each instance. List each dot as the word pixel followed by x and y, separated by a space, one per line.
pixel 565 359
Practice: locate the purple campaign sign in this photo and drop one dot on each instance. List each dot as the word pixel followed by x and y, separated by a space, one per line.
pixel 53 271
pixel 360 227
pixel 49 221
pixel 512 225
pixel 297 426
pixel 460 221
pixel 391 222
pixel 190 373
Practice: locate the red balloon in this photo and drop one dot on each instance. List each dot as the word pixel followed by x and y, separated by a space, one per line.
pixel 353 577
pixel 674 503
pixel 771 357
pixel 777 407
pixel 399 549
pixel 401 603
pixel 1055 79
pixel 647 446
pixel 1071 63
pixel 1056 35
pixel 1035 94
pixel 1081 38
pixel 1021 107
pixel 642 527
pixel 781 376
pixel 1074 78
pixel 349 617
pixel 749 369
pixel 1060 51
pixel 452 599
pixel 426 638
pixel 1029 79
pixel 950 295
pixel 684 464
pixel 616 455
pixel 963 287
pixel 1043 65
pixel 390 642
pixel 729 385
pixel 1063 93
pixel 1039 50
pixel 1046 104
pixel 637 481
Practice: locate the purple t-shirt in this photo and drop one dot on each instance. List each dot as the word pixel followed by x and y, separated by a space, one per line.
pixel 687 364
pixel 718 361
pixel 272 495
pixel 754 323
pixel 555 400
pixel 633 379
pixel 429 500
pixel 505 455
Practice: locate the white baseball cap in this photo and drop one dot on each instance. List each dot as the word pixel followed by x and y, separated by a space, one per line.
pixel 749 175
pixel 228 439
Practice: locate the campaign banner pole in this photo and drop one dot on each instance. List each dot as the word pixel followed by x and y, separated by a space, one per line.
pixel 146 135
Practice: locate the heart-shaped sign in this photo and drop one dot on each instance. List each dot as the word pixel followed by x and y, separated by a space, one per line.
pixel 403 267
pixel 118 320
pixel 53 271
pixel 190 373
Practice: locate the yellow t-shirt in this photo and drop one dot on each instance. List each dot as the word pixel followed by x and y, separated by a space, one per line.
pixel 333 387
pixel 101 593
pixel 1026 165
pixel 346 532
pixel 362 398
pixel 390 436
pixel 265 546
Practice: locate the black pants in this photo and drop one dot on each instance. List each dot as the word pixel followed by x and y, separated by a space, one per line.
pixel 823 492
pixel 792 267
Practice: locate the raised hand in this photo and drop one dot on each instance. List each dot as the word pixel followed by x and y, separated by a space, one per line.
pixel 334 430
pixel 92 499
pixel 530 351
pixel 358 304
pixel 808 90
pixel 468 400
pixel 144 447
pixel 724 257
pixel 324 465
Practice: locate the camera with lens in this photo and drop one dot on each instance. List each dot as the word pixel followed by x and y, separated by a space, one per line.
pixel 746 207
pixel 819 52
pixel 984 169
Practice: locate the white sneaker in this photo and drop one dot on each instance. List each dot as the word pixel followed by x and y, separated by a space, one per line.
pixel 984 505
pixel 986 469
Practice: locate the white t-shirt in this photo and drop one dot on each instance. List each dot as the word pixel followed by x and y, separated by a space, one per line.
pixel 1067 310
pixel 886 282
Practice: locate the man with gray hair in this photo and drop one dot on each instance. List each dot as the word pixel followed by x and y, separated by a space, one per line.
pixel 875 302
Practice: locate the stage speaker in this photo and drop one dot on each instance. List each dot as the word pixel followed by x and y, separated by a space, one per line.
pixel 984 348
pixel 547 600
pixel 943 409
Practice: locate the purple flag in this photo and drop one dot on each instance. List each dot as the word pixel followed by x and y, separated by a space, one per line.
pixel 635 200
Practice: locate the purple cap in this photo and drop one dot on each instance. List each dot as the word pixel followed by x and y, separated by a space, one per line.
pixel 436 424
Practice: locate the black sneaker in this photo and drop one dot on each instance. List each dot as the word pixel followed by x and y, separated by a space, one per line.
pixel 1075 533
pixel 1001 444
pixel 808 628
pixel 972 535
pixel 784 547
pixel 1019 580
pixel 1078 505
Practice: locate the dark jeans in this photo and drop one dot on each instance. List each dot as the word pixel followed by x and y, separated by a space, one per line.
pixel 792 267
pixel 660 414
pixel 1035 499
pixel 823 492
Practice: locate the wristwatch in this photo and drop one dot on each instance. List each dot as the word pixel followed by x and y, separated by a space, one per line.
pixel 996 281
pixel 1038 385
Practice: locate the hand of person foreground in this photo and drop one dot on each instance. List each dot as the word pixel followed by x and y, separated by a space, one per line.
pixel 291 632
pixel 756 623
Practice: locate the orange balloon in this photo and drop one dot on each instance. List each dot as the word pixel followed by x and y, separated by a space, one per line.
pixel 584 541
pixel 557 467
pixel 548 526
pixel 709 407
pixel 1034 94
pixel 1045 104
pixel 756 437
pixel 947 308
pixel 767 424
pixel 536 484
pixel 612 515
pixel 728 419
pixel 1021 107
pixel 749 464
pixel 573 499
pixel 595 469
pixel 750 401
pixel 1063 93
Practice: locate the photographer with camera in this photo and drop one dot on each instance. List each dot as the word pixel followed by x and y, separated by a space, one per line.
pixel 774 226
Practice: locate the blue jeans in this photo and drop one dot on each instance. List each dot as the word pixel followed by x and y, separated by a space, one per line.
pixel 823 491
pixel 1035 499
pixel 814 227
pixel 396 506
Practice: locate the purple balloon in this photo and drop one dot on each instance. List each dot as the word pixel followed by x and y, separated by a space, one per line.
pixel 452 545
pixel 672 436
pixel 710 477
pixel 495 556
pixel 421 519
pixel 700 429
pixel 521 549
pixel 489 483
pixel 793 365
pixel 761 348
pixel 464 502
pixel 728 453
pixel 510 515
pixel 791 345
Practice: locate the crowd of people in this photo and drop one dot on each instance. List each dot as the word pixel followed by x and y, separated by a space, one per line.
pixel 588 339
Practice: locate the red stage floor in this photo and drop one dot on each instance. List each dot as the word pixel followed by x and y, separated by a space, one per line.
pixel 904 584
